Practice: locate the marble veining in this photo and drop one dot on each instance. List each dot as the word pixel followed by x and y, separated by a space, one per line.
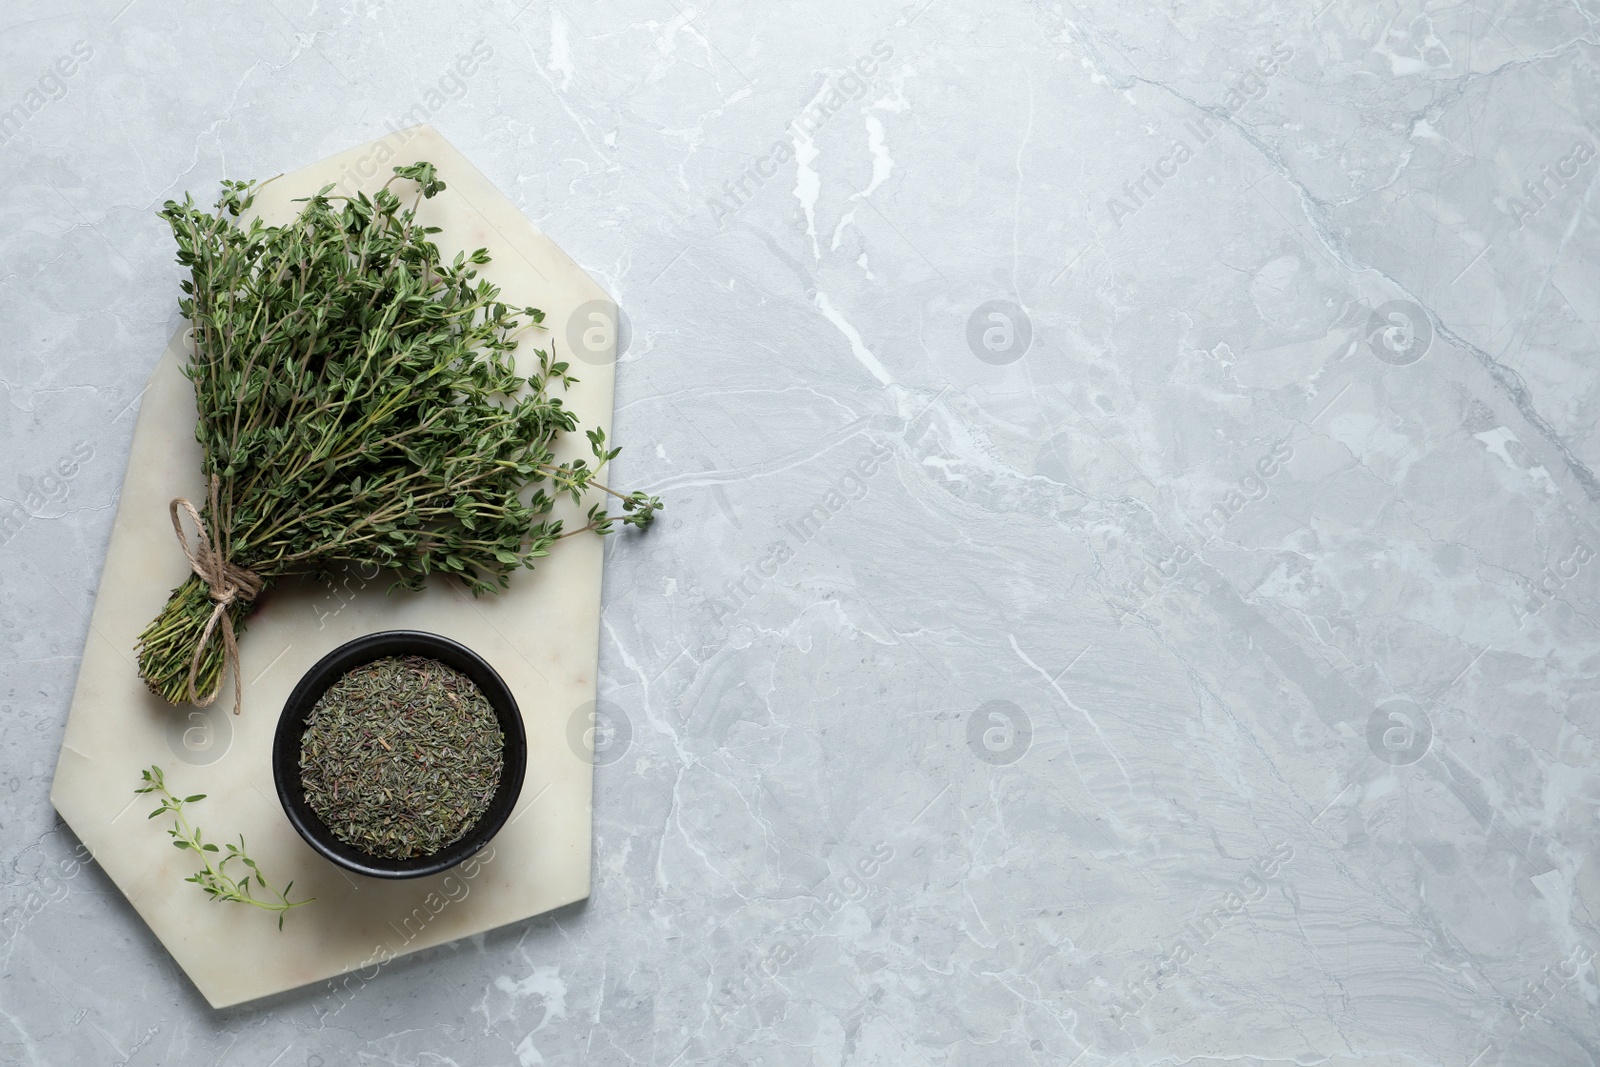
pixel 1128 587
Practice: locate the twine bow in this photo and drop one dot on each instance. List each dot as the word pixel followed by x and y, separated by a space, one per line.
pixel 227 583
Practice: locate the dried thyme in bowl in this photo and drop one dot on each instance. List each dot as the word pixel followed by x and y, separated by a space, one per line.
pixel 401 756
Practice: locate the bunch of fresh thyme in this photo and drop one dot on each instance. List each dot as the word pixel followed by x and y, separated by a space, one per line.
pixel 214 879
pixel 358 405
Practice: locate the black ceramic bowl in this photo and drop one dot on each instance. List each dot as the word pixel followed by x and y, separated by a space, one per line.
pixel 292 724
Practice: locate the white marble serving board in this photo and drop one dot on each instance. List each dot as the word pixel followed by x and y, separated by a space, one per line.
pixel 542 636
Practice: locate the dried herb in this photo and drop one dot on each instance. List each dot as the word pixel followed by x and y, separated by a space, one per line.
pixel 358 406
pixel 401 757
pixel 214 878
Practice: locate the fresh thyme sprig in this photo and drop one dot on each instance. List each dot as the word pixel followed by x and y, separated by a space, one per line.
pixel 214 878
pixel 359 405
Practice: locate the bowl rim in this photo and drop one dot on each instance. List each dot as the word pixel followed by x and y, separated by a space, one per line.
pixel 365 649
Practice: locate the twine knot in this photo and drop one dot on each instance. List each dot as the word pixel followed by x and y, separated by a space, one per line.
pixel 227 583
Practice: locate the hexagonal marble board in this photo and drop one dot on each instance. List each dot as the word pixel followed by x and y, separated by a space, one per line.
pixel 542 635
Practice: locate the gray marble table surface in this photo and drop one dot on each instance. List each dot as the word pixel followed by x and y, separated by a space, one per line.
pixel 1128 587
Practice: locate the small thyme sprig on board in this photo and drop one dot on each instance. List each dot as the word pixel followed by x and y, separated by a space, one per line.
pixel 359 404
pixel 214 878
